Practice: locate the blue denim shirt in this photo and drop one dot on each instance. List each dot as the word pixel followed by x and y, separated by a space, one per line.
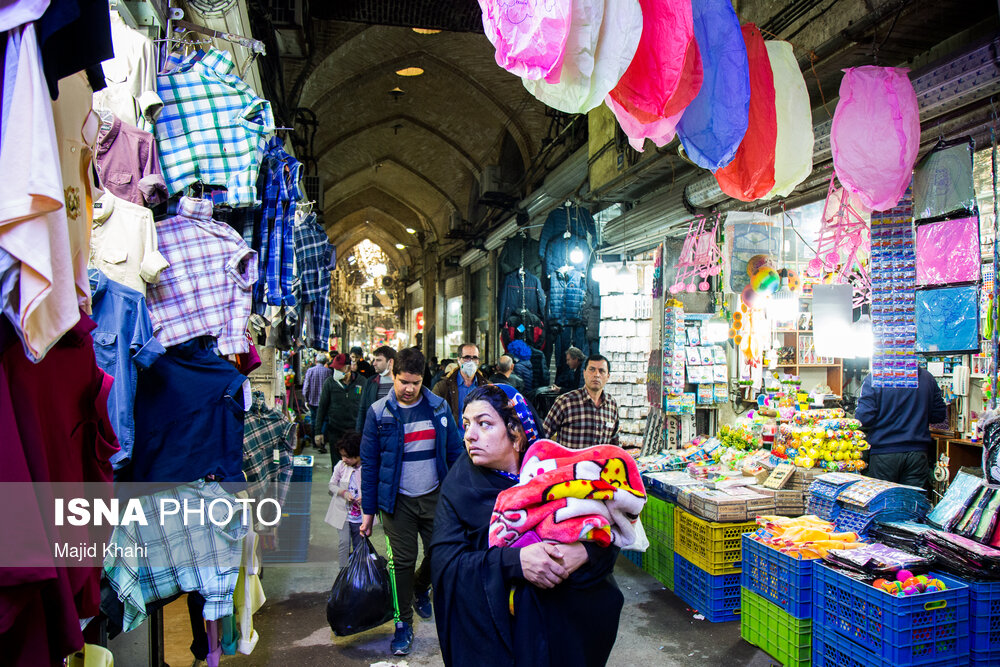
pixel 123 344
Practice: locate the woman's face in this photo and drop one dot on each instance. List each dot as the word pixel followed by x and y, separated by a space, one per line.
pixel 487 440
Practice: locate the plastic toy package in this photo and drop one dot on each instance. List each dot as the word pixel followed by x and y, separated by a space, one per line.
pixel 948 252
pixel 947 319
pixel 942 182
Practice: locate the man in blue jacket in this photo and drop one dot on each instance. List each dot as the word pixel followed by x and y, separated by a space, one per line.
pixel 897 421
pixel 409 442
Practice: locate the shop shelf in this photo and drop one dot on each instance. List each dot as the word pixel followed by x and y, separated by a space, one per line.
pixel 717 597
pixel 658 521
pixel 293 540
pixel 778 578
pixel 714 547
pixel 911 630
pixel 984 612
pixel 785 638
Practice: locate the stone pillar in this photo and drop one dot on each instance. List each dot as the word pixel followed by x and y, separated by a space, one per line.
pixel 468 321
pixel 431 272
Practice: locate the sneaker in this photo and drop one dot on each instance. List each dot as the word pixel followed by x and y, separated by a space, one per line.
pixel 402 641
pixel 422 604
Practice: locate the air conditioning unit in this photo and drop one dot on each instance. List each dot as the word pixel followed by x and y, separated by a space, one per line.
pixel 492 181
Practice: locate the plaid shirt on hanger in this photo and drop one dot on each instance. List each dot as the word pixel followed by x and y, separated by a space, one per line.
pixel 264 433
pixel 279 177
pixel 213 126
pixel 313 252
pixel 575 422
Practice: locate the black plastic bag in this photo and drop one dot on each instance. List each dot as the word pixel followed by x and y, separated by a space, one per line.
pixel 361 598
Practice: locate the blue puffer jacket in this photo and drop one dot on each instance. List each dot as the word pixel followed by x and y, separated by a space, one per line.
pixel 555 248
pixel 566 298
pixel 382 450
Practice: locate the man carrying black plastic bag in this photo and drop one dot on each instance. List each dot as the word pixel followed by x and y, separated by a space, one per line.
pixel 361 598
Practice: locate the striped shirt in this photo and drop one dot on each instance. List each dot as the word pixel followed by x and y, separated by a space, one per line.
pixel 384 385
pixel 419 475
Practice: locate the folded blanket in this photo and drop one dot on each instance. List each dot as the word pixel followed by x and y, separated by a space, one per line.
pixel 569 495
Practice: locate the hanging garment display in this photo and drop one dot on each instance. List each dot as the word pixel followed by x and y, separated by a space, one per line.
pixel 268 444
pixel 127 164
pixel 198 135
pixel 603 37
pixel 530 37
pixel 313 258
pixel 521 291
pixel 188 417
pixel 943 183
pixel 750 175
pixel 519 251
pixel 278 185
pixel 793 149
pixel 124 344
pixel 557 248
pixel 894 362
pixel 75 36
pixel 876 134
pixel 206 289
pixel 130 77
pixel 712 127
pixel 665 74
pixel 567 293
pixel 123 243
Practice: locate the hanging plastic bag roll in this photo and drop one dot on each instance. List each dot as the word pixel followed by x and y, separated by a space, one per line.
pixel 713 125
pixel 529 35
pixel 793 149
pixel 750 175
pixel 876 134
pixel 603 37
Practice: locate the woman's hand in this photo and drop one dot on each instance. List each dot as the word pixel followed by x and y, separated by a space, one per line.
pixel 573 556
pixel 540 565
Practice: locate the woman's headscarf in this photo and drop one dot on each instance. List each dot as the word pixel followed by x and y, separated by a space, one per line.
pixel 523 410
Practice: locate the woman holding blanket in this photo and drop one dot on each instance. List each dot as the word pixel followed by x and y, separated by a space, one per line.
pixel 533 603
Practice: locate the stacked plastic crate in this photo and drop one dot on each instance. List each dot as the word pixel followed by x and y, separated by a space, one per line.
pixel 293 531
pixel 707 564
pixel 658 521
pixel 776 611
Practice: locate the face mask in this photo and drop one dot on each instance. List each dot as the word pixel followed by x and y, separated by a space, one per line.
pixel 338 375
pixel 469 369
pixel 385 373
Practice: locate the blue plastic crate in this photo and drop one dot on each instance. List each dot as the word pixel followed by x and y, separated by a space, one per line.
pixel 831 650
pixel 717 597
pixel 299 497
pixel 984 612
pixel 778 578
pixel 293 540
pixel 633 556
pixel 909 630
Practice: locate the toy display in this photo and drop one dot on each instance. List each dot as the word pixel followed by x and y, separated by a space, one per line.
pixel 906 584
pixel 834 444
pixel 803 537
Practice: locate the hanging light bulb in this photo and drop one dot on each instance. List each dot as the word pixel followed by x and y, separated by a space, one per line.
pixel 576 255
pixel 625 279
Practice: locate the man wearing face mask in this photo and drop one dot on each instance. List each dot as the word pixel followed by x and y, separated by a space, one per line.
pixel 378 386
pixel 455 386
pixel 338 405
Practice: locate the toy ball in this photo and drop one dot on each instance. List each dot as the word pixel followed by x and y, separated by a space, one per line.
pixel 793 281
pixel 748 296
pixel 912 581
pixel 923 578
pixel 937 584
pixel 765 281
pixel 880 582
pixel 903 575
pixel 911 590
pixel 893 587
pixel 755 264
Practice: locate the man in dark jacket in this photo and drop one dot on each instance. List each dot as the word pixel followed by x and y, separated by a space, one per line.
pixel 338 405
pixel 380 385
pixel 455 386
pixel 897 421
pixel 505 374
pixel 359 365
pixel 571 377
pixel 409 443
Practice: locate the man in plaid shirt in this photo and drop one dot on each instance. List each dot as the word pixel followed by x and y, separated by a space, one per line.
pixel 586 416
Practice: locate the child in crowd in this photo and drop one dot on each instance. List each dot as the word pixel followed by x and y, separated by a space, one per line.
pixel 344 512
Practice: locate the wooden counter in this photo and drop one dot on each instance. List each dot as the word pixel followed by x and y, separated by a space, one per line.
pixel 960 452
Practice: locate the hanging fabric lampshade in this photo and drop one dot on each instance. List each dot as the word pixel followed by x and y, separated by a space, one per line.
pixel 603 37
pixel 529 35
pixel 750 175
pixel 662 130
pixel 793 151
pixel 713 125
pixel 876 134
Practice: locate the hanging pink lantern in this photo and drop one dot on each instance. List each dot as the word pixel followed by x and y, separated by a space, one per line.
pixel 529 35
pixel 876 134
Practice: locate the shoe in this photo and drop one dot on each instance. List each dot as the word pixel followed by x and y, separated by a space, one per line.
pixel 402 641
pixel 322 451
pixel 422 604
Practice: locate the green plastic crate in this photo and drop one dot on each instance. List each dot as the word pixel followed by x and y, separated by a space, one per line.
pixel 659 563
pixel 658 521
pixel 782 636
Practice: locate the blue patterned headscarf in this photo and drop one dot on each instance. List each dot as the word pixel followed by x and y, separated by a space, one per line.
pixel 523 410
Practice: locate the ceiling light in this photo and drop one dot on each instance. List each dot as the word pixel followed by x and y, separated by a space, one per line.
pixel 400 246
pixel 425 31
pixel 576 255
pixel 410 71
pixel 411 230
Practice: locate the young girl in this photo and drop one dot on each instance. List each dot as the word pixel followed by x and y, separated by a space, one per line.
pixel 344 512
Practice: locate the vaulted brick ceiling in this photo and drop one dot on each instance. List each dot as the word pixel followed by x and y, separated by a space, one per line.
pixel 393 162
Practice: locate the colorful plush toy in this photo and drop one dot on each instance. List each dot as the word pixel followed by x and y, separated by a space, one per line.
pixel 565 495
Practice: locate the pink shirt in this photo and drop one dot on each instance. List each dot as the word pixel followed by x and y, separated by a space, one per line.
pixel 127 164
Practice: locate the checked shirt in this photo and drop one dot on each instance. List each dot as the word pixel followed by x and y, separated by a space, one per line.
pixel 313 253
pixel 575 422
pixel 264 433
pixel 213 127
pixel 280 174
pixel 207 287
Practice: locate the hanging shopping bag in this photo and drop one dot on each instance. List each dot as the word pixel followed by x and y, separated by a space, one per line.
pixel 529 36
pixel 876 134
pixel 750 175
pixel 361 598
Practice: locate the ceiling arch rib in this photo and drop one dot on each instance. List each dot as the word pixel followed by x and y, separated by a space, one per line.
pixel 371 216
pixel 466 159
pixel 349 87
pixel 346 242
pixel 375 198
